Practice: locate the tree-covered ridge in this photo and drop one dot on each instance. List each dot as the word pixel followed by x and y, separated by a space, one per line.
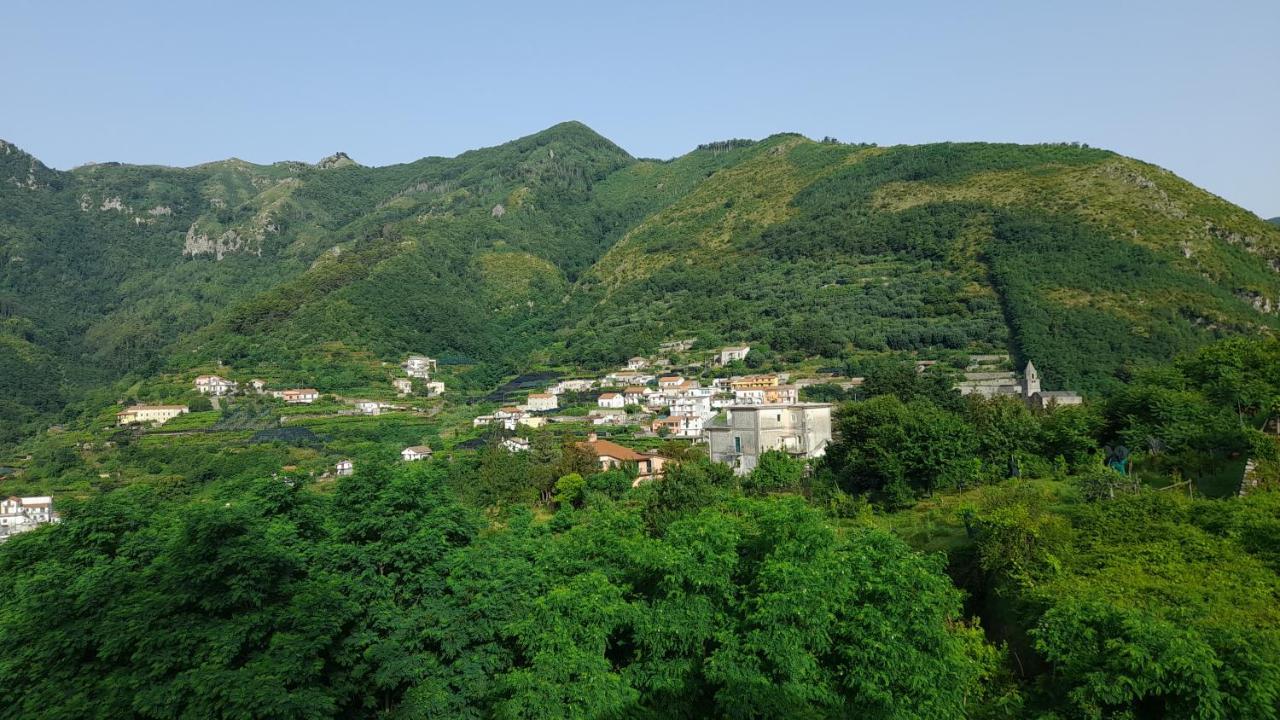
pixel 1041 249
pixel 561 248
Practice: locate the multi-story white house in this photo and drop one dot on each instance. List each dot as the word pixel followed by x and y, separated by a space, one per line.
pixel 635 394
pixel 214 385
pixel 637 363
pixel 696 405
pixel 344 468
pixel 20 514
pixel 733 353
pixel 403 386
pixel 149 414
pixel 419 366
pixel 744 432
pixel 369 407
pixel 680 425
pixel 516 444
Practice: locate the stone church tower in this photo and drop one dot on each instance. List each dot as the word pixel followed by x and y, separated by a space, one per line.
pixel 1030 381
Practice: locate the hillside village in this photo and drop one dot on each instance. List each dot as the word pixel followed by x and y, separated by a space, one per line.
pixel 676 394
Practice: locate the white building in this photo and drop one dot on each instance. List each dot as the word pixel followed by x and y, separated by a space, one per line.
pixel 744 432
pixel 369 407
pixel 516 444
pixel 434 388
pixel 637 363
pixel 733 353
pixel 404 386
pixel 344 468
pixel 577 385
pixel 635 394
pixel 415 453
pixel 696 405
pixel 539 402
pixel 21 514
pixel 628 377
pixel 616 401
pixel 149 414
pixel 214 385
pixel 419 366
pixel 679 425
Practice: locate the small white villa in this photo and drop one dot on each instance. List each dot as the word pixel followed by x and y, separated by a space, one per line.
pixel 415 453
pixel 612 400
pixel 344 468
pixel 214 385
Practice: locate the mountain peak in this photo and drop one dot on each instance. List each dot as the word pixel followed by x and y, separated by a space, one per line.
pixel 338 159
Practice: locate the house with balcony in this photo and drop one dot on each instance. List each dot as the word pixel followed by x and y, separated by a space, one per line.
pixel 742 433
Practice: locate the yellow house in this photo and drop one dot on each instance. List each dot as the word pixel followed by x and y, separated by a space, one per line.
pixel 156 414
pixel 751 382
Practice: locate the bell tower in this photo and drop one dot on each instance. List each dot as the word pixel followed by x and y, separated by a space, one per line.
pixel 1031 380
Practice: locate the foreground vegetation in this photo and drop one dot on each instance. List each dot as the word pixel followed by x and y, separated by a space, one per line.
pixel 949 558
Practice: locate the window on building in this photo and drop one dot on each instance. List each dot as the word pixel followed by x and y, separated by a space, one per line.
pixel 737 444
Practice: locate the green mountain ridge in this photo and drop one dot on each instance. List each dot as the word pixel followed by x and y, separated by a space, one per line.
pixel 560 247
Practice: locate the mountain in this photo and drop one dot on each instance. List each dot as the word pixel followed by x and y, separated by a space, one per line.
pixel 561 248
pixel 1274 221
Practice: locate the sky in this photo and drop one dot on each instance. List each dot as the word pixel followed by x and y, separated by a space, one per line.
pixel 1190 86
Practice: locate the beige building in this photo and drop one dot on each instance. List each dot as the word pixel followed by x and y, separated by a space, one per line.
pixel 744 432
pixel 538 402
pixel 154 414
pixel 611 455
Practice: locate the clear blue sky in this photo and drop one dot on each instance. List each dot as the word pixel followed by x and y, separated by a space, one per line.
pixel 1191 86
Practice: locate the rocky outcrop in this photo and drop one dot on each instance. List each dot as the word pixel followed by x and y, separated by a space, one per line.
pixel 218 245
pixel 336 160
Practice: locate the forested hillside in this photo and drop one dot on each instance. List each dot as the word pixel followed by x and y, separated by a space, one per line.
pixel 560 248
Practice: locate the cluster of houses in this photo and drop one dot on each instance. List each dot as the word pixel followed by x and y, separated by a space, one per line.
pixel 418 367
pixel 22 514
pixel 740 417
pixel 986 377
pixel 218 386
pixel 687 402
